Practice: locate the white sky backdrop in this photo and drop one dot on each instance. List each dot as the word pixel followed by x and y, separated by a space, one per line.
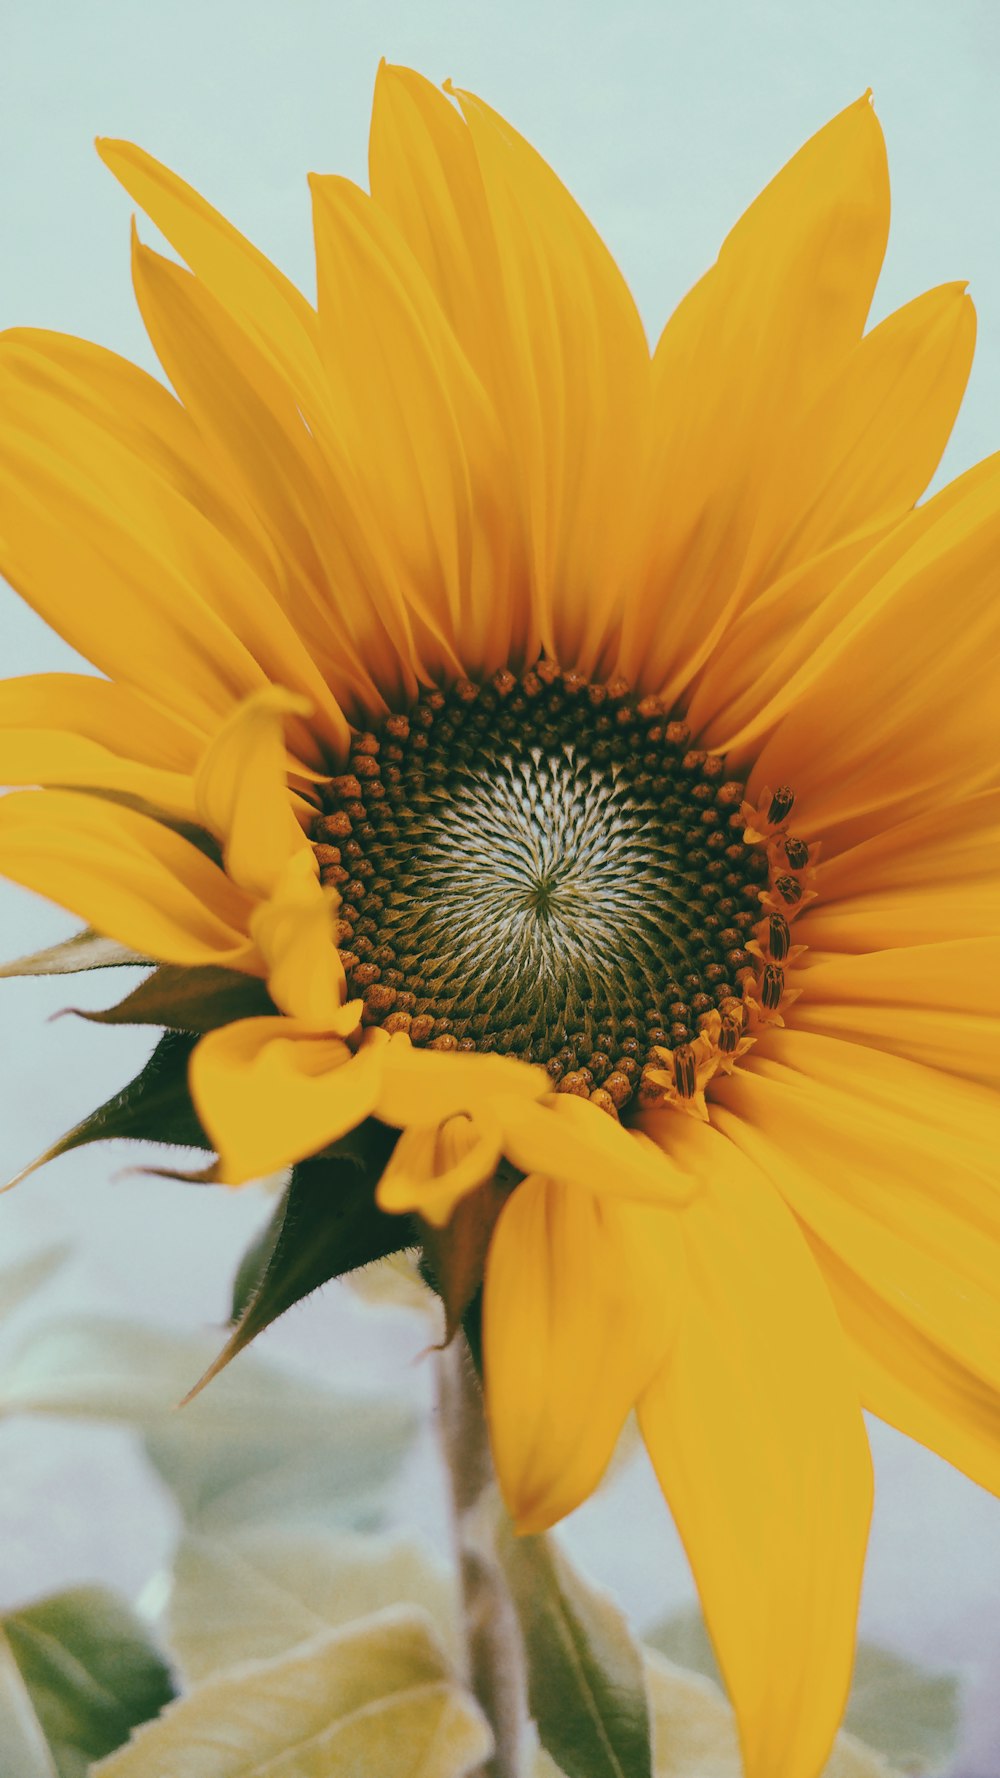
pixel 664 119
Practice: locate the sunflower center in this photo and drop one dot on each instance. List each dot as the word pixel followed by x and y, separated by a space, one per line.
pixel 542 866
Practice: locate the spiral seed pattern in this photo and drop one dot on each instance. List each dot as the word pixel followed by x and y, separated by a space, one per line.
pixel 543 867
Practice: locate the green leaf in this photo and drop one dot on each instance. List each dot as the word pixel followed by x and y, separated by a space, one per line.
pixel 187 1000
pixel 22 1745
pixel 326 1224
pixel 90 1672
pixel 375 1698
pixel 585 1671
pixel 154 1107
pixel 85 950
pixel 908 1713
pixel 261 1444
pixel 258 1593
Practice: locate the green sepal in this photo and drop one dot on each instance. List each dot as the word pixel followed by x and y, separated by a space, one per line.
pixel 154 1107
pixel 586 1682
pixel 84 950
pixel 188 1000
pixel 326 1224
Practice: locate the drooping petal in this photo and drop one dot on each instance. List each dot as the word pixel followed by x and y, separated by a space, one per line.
pixel 431 1170
pixel 127 876
pixel 738 366
pixel 241 788
pixel 294 931
pixel 581 1297
pixel 892 1169
pixel 270 1092
pixel 569 1139
pixel 422 1087
pixel 936 1003
pixel 755 1430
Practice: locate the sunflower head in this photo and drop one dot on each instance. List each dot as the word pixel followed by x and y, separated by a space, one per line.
pixel 554 783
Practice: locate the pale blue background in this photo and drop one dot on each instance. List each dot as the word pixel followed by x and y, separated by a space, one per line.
pixel 664 119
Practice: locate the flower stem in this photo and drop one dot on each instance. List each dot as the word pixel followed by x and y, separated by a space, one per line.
pixel 494 1652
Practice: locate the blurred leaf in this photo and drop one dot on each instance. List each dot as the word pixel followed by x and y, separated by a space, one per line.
pixel 327 1223
pixel 683 1638
pixel 85 950
pixel 585 1671
pixel 90 1671
pixel 258 1593
pixel 261 1444
pixel 154 1107
pixel 19 1281
pixel 187 1000
pixel 374 1699
pixel 910 1714
pixel 23 1749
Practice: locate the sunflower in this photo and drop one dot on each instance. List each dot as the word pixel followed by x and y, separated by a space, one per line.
pixel 585 760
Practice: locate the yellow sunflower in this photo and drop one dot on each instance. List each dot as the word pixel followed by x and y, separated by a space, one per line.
pixel 480 689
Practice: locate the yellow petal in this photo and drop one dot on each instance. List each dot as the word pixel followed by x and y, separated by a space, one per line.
pixel 131 510
pixel 874 731
pixel 270 1093
pixel 855 465
pixel 755 1430
pixel 866 451
pixel 424 1087
pixel 547 322
pixel 936 1003
pixel 141 414
pixel 110 716
pixel 127 876
pixel 738 366
pixel 932 877
pixel 581 1297
pixel 570 373
pixel 398 377
pixel 908 1380
pixel 242 794
pixel 425 175
pixel 82 557
pixel 237 274
pixel 247 406
pixel 64 729
pixel 430 1171
pixel 294 931
pixel 892 1169
pixel 572 1140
